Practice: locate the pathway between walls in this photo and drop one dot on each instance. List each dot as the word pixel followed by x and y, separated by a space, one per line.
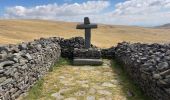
pixel 83 83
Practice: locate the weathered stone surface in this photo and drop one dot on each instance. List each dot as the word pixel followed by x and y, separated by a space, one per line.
pixel 2 79
pixel 80 93
pixel 5 63
pixel 58 96
pixel 90 98
pixel 68 45
pixel 91 53
pixel 21 65
pixel 108 53
pixel 148 65
pixel 107 84
pixel 104 92
pixel 92 91
pixel 87 61
pixel 71 98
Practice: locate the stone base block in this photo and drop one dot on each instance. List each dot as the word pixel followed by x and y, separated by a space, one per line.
pixel 91 53
pixel 87 61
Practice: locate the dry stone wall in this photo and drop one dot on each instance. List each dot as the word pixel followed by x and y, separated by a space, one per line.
pixel 108 53
pixel 68 45
pixel 23 64
pixel 149 67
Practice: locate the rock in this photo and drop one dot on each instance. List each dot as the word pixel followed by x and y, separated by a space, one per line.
pixel 2 79
pixel 71 98
pixel 102 99
pixel 64 90
pixel 90 98
pixel 1 71
pixel 163 65
pixel 166 72
pixel 157 76
pixel 130 94
pixel 82 81
pixel 92 91
pixel 167 58
pixel 80 93
pixel 104 92
pixel 7 81
pixel 85 85
pixel 107 84
pixel 22 46
pixel 108 73
pixel 61 77
pixel 3 55
pixel 162 83
pixel 5 63
pixel 58 96
pixel 115 82
pixel 87 61
pixel 98 87
pixel 28 56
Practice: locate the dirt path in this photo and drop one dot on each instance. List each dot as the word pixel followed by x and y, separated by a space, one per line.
pixel 83 83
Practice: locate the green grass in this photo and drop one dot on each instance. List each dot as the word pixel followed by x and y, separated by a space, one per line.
pixel 127 83
pixel 61 62
pixel 36 91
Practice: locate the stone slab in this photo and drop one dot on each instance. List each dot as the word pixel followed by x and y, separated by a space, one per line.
pixel 91 53
pixel 78 61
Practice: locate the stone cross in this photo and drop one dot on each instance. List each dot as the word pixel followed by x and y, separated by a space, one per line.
pixel 87 26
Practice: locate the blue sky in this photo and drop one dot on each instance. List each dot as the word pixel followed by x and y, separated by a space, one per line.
pixel 119 12
pixel 30 3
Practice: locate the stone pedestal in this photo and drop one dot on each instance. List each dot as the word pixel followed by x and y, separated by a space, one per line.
pixel 91 56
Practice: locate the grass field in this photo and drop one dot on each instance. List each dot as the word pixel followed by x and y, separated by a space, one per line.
pixel 16 31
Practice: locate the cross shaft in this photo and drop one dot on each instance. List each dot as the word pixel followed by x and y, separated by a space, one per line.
pixel 87 26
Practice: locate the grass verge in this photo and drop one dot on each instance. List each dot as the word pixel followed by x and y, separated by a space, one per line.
pixel 128 86
pixel 36 91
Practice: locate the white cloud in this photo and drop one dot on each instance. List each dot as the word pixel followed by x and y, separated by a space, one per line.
pixel 51 11
pixel 142 12
pixel 129 12
pixel 142 7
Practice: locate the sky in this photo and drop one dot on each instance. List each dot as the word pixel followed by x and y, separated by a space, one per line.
pixel 116 12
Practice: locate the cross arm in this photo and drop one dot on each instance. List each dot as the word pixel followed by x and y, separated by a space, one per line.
pixel 86 26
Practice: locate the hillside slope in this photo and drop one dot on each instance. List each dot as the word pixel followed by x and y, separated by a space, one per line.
pixel 15 31
pixel 165 26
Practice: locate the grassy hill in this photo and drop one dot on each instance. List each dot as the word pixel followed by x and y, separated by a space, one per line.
pixel 16 31
pixel 165 26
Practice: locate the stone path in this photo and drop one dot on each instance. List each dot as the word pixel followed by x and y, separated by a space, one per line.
pixel 85 83
pixel 82 83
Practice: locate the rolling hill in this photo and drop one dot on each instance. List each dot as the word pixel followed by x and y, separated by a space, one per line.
pixel 165 26
pixel 16 31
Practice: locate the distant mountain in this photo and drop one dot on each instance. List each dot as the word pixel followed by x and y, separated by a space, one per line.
pixel 165 26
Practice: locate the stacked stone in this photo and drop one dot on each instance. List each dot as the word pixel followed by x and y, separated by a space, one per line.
pixel 148 65
pixel 91 53
pixel 68 45
pixel 22 65
pixel 108 53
